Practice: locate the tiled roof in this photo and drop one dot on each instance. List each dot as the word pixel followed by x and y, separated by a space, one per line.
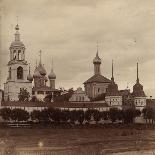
pixel 150 103
pixel 138 90
pixel 98 78
pixel 44 88
pixel 55 104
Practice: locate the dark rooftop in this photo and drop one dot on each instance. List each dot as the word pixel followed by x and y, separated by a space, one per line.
pixel 98 78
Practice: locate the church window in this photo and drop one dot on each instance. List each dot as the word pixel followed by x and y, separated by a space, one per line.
pixel 19 55
pixel 19 72
pixel 10 73
pixel 14 54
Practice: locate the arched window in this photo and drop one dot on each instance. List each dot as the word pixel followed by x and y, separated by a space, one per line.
pixel 19 72
pixel 10 73
pixel 14 54
pixel 19 55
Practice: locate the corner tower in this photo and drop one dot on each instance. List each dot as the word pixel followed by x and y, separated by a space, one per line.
pixel 138 93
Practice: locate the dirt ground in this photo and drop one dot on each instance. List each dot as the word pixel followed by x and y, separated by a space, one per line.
pixel 106 138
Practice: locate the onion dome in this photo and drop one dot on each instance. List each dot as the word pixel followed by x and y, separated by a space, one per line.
pixel 17 42
pixel 29 77
pixel 41 69
pixel 36 73
pixel 52 75
pixel 97 60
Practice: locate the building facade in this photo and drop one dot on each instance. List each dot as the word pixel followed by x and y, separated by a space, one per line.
pixel 40 89
pixel 97 84
pixel 79 96
pixel 17 70
pixel 113 96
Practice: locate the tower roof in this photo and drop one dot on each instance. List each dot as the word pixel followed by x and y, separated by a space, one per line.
pixel 97 59
pixel 52 74
pixel 17 42
pixel 41 68
pixel 97 78
pixel 29 77
pixel 112 87
pixel 138 88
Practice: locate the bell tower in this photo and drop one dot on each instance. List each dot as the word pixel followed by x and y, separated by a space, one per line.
pixel 17 69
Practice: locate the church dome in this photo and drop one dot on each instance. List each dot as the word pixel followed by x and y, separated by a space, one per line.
pixel 17 44
pixel 52 75
pixel 97 59
pixel 41 69
pixel 29 77
pixel 36 73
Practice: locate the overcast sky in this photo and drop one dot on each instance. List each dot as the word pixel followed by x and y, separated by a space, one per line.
pixel 68 30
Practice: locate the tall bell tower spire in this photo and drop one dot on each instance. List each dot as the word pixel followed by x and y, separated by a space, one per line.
pixel 137 74
pixel 18 76
pixel 112 77
pixel 17 34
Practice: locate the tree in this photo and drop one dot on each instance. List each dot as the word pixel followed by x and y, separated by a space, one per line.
pixel 97 116
pixel 18 115
pixel 87 115
pixel 35 115
pixel 113 112
pixel 73 116
pixel 104 115
pixel 65 115
pixel 45 116
pixel 129 115
pixel 23 95
pixel 5 114
pixel 56 116
pixel 148 114
pixel 64 97
pixel 80 116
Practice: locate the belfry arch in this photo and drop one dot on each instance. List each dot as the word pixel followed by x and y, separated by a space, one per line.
pixel 19 72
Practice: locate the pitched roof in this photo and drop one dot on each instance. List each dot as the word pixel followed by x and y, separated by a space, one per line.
pixel 98 78
pixel 150 103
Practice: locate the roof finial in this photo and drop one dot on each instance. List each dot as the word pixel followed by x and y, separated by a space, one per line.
pixel 36 63
pixel 40 56
pixel 29 68
pixel 52 63
pixel 17 20
pixel 137 74
pixel 17 27
pixel 97 49
pixel 112 78
pixel 127 87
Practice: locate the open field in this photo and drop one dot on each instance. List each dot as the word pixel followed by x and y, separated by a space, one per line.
pixel 111 139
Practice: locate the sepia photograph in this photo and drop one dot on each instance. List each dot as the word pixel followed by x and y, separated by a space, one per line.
pixel 77 77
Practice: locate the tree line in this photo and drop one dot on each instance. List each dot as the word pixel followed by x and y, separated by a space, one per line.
pixel 65 116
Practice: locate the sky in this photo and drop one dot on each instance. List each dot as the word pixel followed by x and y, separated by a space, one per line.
pixel 68 31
